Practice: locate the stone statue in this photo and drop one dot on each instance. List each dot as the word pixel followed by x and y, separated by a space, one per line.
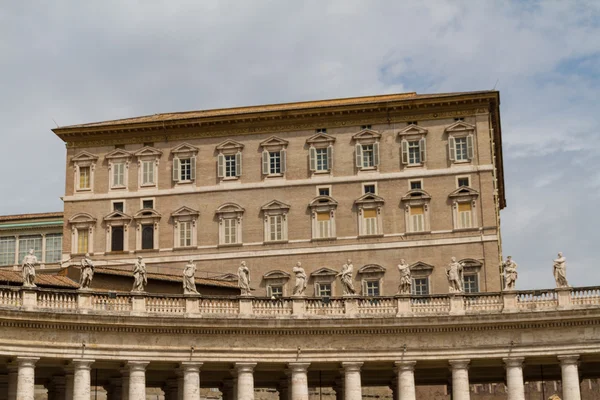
pixel 301 279
pixel 346 278
pixel 189 284
pixel 405 279
pixel 509 268
pixel 455 275
pixel 244 279
pixel 29 262
pixel 139 276
pixel 86 273
pixel 560 271
pixel 554 397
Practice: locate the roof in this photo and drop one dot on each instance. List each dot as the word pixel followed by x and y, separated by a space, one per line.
pixel 40 279
pixel 18 217
pixel 166 277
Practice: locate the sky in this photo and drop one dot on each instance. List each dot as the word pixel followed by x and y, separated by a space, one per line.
pixel 69 62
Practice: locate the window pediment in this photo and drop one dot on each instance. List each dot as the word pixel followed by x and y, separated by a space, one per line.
pixel 324 202
pixel 371 269
pixel 274 143
pixel 82 218
pixel 276 274
pixel 416 194
pixel 320 140
pixel 275 206
pixel 116 216
pixel 83 158
pixel 412 130
pixel 147 213
pixel 147 152
pixel 324 272
pixel 369 198
pixel 230 208
pixel 185 212
pixel 228 277
pixel 366 136
pixel 471 265
pixel 464 192
pixel 185 149
pixel 422 267
pixel 460 127
pixel 118 154
pixel 230 145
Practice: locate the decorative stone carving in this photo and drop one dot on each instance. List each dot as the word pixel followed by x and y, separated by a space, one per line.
pixel 189 284
pixel 346 278
pixel 455 275
pixel 560 271
pixel 300 286
pixel 86 273
pixel 28 266
pixel 244 279
pixel 509 268
pixel 405 278
pixel 139 275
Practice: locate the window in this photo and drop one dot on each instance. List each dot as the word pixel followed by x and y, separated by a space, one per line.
pixel 369 188
pixel 363 127
pixel 148 160
pixel 119 146
pixel 53 248
pixel 368 159
pixel 416 207
pixel 413 185
pixel 230 224
pixel 119 206
pixel 420 286
pixel 323 224
pixel 471 284
pixel 370 222
pixel 369 213
pixel 417 218
pixel 460 146
pixel 323 290
pixel 118 167
pixel 185 168
pixel 413 152
pixel 321 157
pixel 27 243
pixel 464 215
pixel 148 172
pixel 275 217
pixel 82 240
pixel 463 181
pixel 147 204
pixel 184 163
pixel 323 217
pixel 371 288
pixel 321 130
pixel 82 231
pixel 230 230
pixel 463 207
pixel 84 178
pixel 230 166
pixel 7 250
pixel 84 164
pixel 460 141
pixel 323 191
pixel 229 160
pixel 459 119
pixel 366 149
pixel 117 239
pixel 274 156
pixel 147 237
pixel 118 175
pixel 275 291
pixel 185 234
pixel 275 227
pixel 184 221
pixel 412 123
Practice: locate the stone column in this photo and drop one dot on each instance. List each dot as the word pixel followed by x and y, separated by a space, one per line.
pixel 299 380
pixel 125 384
pixel 570 377
pixel 352 383
pixel 245 380
pixel 137 380
pixel 26 377
pixel 191 380
pixel 514 377
pixel 460 379
pixel 12 381
pixel 82 380
pixel 406 380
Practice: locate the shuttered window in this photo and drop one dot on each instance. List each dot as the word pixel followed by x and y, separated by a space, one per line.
pixel 185 233
pixel 230 230
pixel 465 215
pixel 323 224
pixel 417 218
pixel 83 240
pixel 370 222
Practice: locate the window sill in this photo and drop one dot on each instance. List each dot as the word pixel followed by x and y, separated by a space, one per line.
pixel 148 185
pixel 419 165
pixel 323 239
pixel 183 183
pixel 83 190
pixel 275 241
pixel 461 161
pixel 366 169
pixel 326 172
pixel 113 253
pixel 226 245
pixel 270 176
pixel 465 229
pixel 378 235
pixel 147 251
pixel 118 188
pixel 183 248
pixel 412 233
pixel 230 178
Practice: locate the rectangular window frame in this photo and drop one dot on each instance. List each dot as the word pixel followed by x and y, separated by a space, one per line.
pixel 328 187
pixel 8 253
pixel 323 289
pixel 53 248
pixel 459 177
pixel 473 280
pixel 364 187
pixel 372 287
pixel 411 181
pixel 420 286
pixel 145 199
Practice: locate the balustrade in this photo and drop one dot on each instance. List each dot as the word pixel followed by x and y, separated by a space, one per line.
pixel 57 300
pixel 272 307
pixel 165 305
pixel 536 300
pixel 325 306
pixel 111 302
pixel 430 305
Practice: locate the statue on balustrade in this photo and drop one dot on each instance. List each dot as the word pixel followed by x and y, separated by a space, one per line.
pixel 86 272
pixel 139 275
pixel 346 278
pixel 244 279
pixel 300 285
pixel 189 283
pixel 405 278
pixel 509 267
pixel 28 265
pixel 560 271
pixel 455 275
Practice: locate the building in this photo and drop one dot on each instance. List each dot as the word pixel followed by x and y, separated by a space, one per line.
pixel 372 179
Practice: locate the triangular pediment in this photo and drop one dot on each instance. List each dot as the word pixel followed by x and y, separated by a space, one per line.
pixel 185 148
pixel 464 191
pixel 84 156
pixel 275 205
pixel 371 269
pixel 230 144
pixel 276 274
pixel 323 201
pixel 412 129
pixel 82 218
pixel 185 212
pixel 230 208
pixel 117 216
pixel 369 198
pixel 324 272
pixel 118 153
pixel 421 266
pixel 415 194
pixel 274 141
pixel 147 213
pixel 148 151
pixel 366 134
pixel 460 126
pixel 321 138
pixel 227 277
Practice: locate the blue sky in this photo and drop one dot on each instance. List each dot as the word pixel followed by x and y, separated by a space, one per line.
pixel 74 62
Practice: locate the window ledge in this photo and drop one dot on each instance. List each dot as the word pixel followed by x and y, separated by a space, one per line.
pixel 365 169
pixel 225 245
pixel 112 253
pixel 378 235
pixel 183 183
pixel 270 176
pixel 275 241
pixel 230 178
pixel 419 165
pixel 83 190
pixel 146 251
pixel 185 248
pixel 465 229
pixel 118 187
pixel 418 233
pixel 323 239
pixel 461 161
pixel 326 172
pixel 148 185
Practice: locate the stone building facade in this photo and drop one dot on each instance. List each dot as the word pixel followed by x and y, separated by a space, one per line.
pixel 372 179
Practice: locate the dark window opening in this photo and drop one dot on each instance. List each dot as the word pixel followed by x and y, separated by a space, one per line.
pixel 117 239
pixel 118 206
pixel 147 237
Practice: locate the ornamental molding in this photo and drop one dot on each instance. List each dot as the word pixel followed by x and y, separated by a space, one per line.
pixel 413 130
pixel 324 272
pixel 275 206
pixel 460 127
pixel 323 202
pixel 84 157
pixel 274 142
pixel 320 138
pixel 230 145
pixel 371 269
pixel 118 154
pixel 185 212
pixel 276 274
pixel 185 149
pixel 420 266
pixel 366 135
pixel 117 218
pixel 369 199
pixel 82 218
pixel 464 193
pixel 147 152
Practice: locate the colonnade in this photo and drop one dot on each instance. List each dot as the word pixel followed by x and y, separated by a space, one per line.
pixel 131 385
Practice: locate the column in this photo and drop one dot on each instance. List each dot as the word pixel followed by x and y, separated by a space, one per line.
pixel 460 379
pixel 12 381
pixel 352 383
pixel 125 384
pixel 191 380
pixel 26 377
pixel 299 380
pixel 245 381
pixel 570 377
pixel 405 371
pixel 514 377
pixel 81 379
pixel 137 380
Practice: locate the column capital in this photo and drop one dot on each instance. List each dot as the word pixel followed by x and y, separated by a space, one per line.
pixel 298 366
pixel 352 366
pixel 459 364
pixel 404 366
pixel 137 365
pixel 191 365
pixel 244 367
pixel 80 364
pixel 568 359
pixel 27 361
pixel 513 361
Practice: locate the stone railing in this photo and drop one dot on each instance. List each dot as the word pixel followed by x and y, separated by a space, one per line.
pixel 190 306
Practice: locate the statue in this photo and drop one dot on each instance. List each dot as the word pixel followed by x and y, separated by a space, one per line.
pixel 189 285
pixel 554 397
pixel 455 275
pixel 510 273
pixel 28 265
pixel 346 278
pixel 86 273
pixel 244 279
pixel 139 276
pixel 300 285
pixel 560 271
pixel 405 279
